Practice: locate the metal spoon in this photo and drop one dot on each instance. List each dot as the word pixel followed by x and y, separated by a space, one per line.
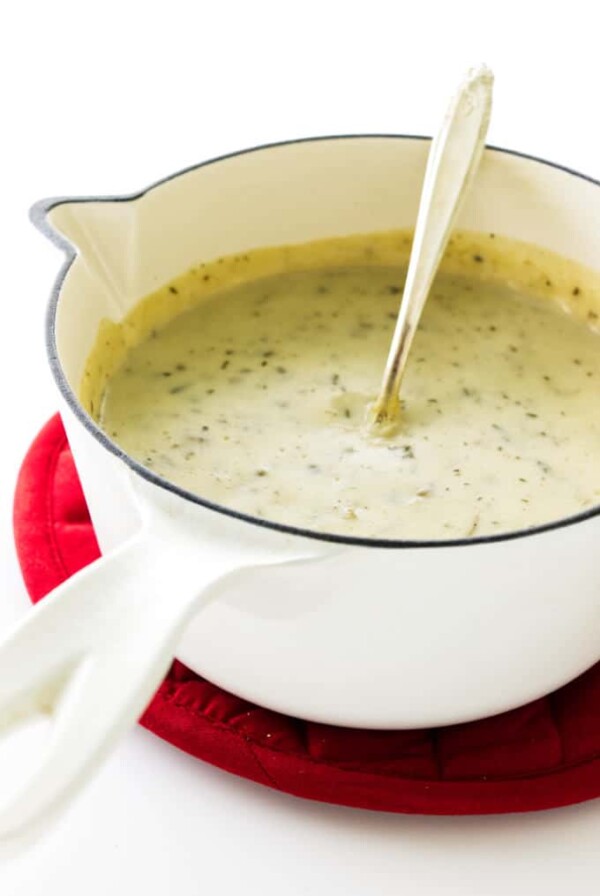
pixel 453 160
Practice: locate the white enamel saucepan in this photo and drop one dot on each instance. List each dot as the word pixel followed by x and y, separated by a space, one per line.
pixel 358 632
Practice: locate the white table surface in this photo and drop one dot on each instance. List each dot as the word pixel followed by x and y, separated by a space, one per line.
pixel 103 98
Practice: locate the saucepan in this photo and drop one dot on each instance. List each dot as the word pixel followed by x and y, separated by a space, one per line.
pixel 348 631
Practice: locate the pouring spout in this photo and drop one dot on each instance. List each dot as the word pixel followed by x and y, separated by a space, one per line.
pixel 101 233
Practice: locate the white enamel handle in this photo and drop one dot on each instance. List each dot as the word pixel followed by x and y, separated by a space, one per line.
pixel 93 652
pixel 453 159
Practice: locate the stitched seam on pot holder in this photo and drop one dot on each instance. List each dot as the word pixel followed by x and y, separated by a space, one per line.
pixel 554 719
pixel 167 696
pixel 268 775
pixel 481 779
pixel 434 740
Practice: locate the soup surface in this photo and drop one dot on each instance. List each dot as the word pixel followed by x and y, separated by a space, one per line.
pixel 255 397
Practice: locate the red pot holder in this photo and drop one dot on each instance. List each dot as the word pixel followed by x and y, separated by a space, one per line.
pixel 542 755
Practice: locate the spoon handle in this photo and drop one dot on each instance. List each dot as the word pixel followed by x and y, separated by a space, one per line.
pixel 453 160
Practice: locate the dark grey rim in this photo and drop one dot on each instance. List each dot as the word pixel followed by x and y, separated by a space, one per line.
pixel 39 216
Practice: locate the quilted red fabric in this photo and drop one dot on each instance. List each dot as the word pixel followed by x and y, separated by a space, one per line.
pixel 543 755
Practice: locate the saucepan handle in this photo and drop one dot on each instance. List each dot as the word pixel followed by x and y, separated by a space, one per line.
pixel 92 654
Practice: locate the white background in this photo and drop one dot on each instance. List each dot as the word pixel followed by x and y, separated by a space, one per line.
pixel 107 97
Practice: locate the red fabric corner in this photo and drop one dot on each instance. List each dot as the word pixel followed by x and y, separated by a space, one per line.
pixel 540 756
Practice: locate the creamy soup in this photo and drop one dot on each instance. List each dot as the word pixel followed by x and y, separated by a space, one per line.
pixel 254 396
